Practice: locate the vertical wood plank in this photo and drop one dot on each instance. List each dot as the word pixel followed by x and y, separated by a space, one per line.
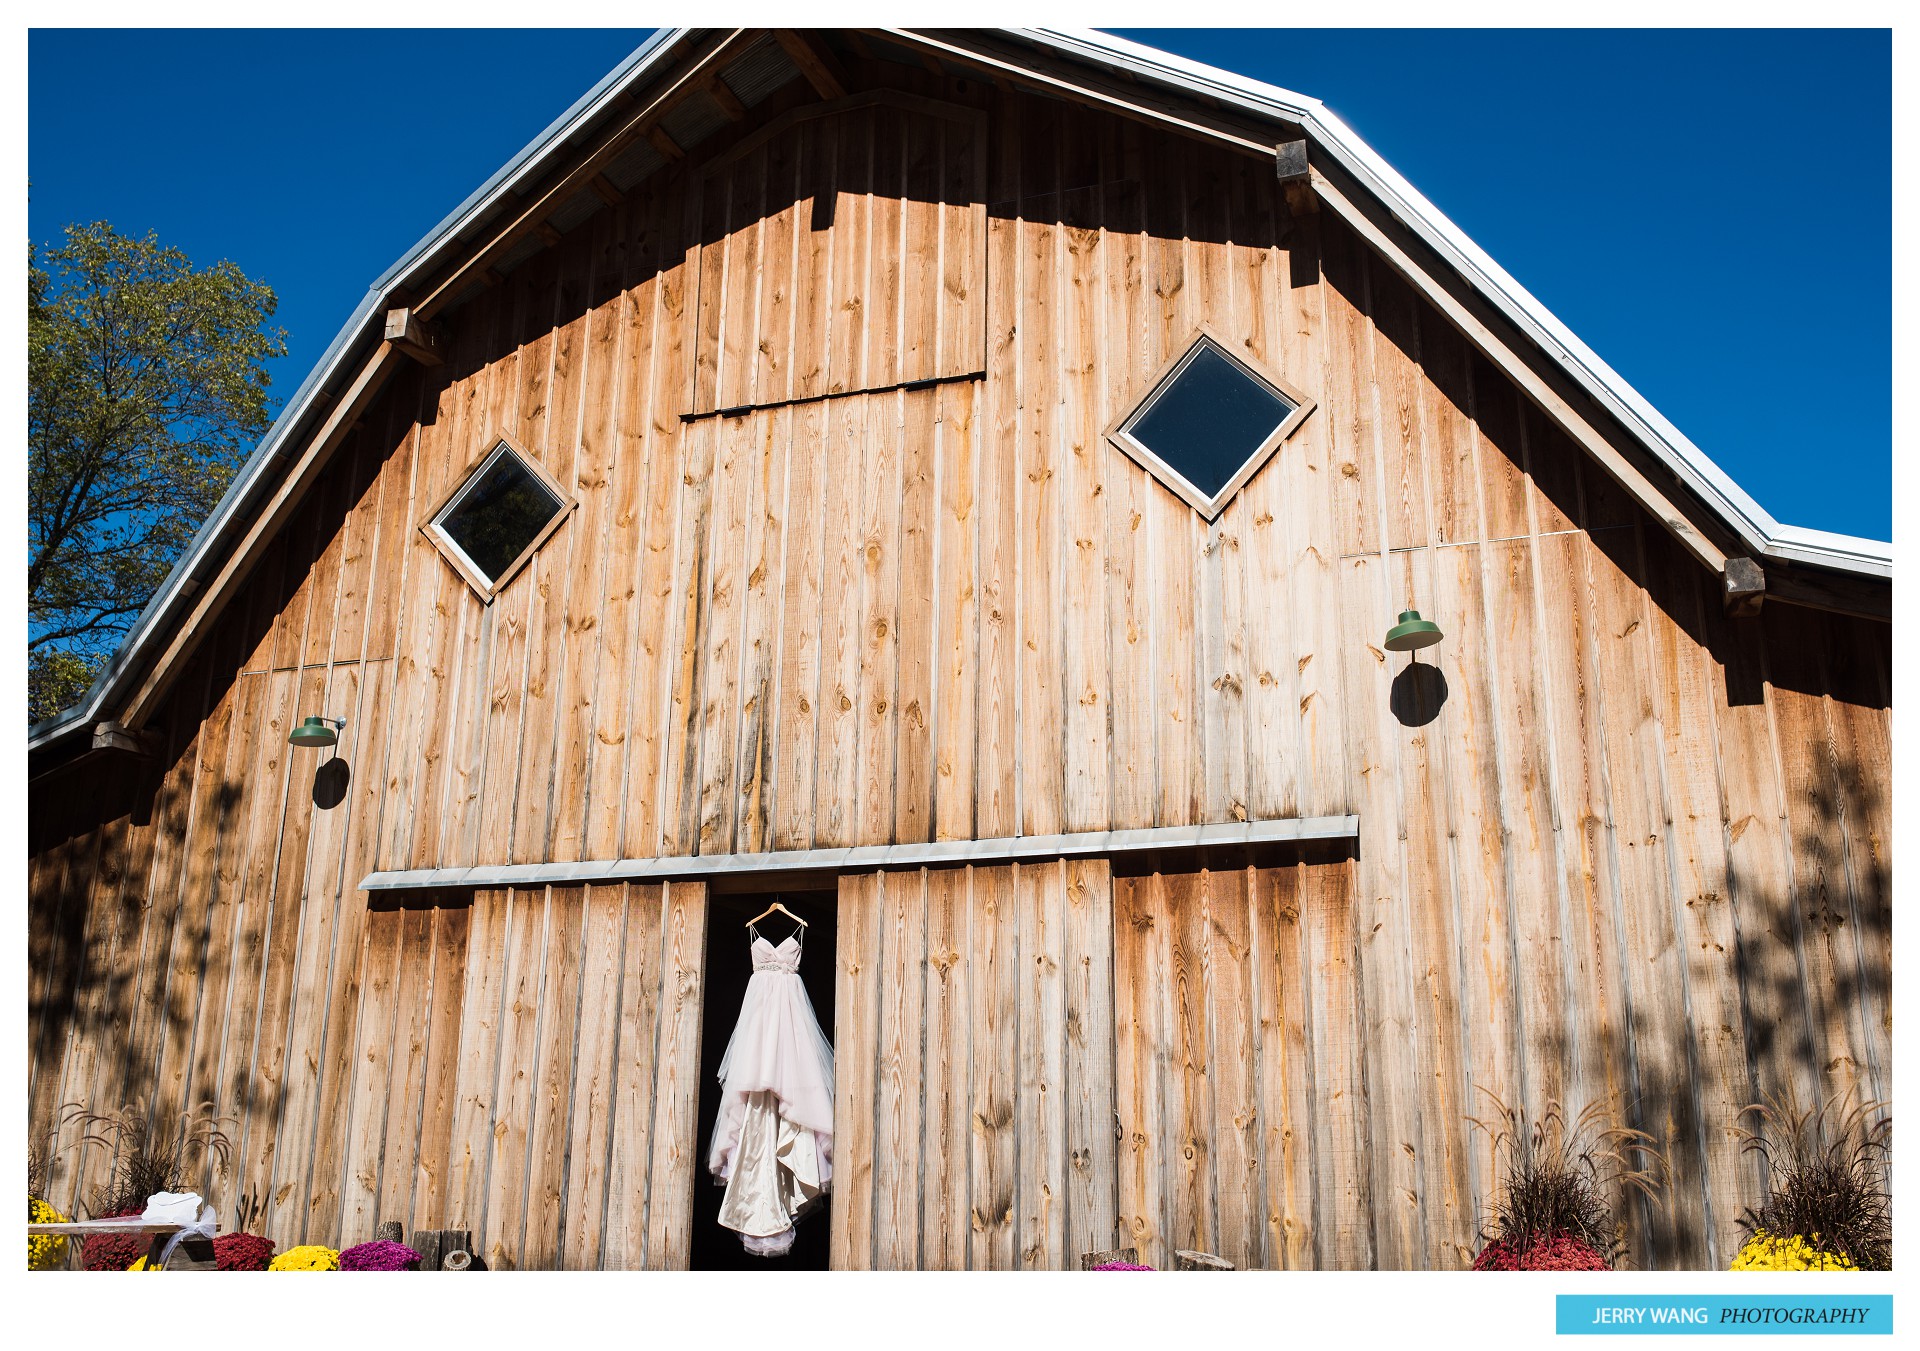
pixel 630 1132
pixel 1088 1024
pixel 676 1098
pixel 1041 1203
pixel 433 1183
pixel 995 994
pixel 550 1134
pixel 856 1026
pixel 948 1078
pixel 898 1094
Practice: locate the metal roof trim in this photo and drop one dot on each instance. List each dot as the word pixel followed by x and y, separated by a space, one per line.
pixel 1766 536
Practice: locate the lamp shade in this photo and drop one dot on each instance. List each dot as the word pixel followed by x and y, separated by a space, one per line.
pixel 1412 632
pixel 313 732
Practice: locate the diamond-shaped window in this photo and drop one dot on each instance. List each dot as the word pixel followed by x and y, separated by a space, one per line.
pixel 1208 423
pixel 502 511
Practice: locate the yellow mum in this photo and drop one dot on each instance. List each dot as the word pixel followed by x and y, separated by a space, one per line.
pixel 1767 1252
pixel 140 1264
pixel 307 1257
pixel 44 1251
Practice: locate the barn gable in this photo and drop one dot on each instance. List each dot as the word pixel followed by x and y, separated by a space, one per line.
pixel 1120 803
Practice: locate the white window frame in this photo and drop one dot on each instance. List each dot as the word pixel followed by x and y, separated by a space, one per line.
pixel 1120 433
pixel 435 530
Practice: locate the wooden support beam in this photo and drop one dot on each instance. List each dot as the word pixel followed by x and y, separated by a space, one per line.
pixel 111 736
pixel 1290 167
pixel 823 72
pixel 609 194
pixel 1746 588
pixel 546 231
pixel 414 336
pixel 1818 589
pixel 722 94
pixel 668 147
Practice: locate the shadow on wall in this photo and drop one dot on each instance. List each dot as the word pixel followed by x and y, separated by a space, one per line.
pixel 1419 692
pixel 330 783
pixel 1809 987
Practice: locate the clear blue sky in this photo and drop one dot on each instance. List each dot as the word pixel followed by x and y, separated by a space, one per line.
pixel 1710 211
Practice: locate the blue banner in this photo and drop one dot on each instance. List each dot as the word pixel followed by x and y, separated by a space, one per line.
pixel 1711 1315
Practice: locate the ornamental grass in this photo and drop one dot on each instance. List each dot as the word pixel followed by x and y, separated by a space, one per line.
pixel 380 1255
pixel 306 1257
pixel 45 1252
pixel 1828 1175
pixel 147 1161
pixel 1559 1183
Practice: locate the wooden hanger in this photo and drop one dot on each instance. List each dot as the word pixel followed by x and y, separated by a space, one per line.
pixel 782 909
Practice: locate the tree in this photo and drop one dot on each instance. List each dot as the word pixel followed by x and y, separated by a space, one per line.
pixel 146 388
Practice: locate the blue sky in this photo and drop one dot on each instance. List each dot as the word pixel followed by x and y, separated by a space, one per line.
pixel 1671 195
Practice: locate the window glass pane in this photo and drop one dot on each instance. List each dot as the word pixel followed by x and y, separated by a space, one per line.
pixel 498 515
pixel 1209 420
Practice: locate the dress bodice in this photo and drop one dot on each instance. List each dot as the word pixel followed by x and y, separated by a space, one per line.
pixel 785 957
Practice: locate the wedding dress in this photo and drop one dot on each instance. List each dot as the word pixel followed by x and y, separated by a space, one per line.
pixel 773 1142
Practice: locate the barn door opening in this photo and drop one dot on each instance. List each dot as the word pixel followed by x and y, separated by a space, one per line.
pixel 729 965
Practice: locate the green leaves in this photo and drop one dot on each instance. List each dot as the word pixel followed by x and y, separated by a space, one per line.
pixel 147 386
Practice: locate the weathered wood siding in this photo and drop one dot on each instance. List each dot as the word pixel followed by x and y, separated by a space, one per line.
pixel 974 1056
pixel 1612 843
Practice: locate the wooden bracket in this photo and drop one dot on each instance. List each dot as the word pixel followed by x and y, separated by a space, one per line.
pixel 609 194
pixel 112 736
pixel 815 62
pixel 1746 588
pixel 1290 167
pixel 414 336
pixel 668 147
pixel 721 93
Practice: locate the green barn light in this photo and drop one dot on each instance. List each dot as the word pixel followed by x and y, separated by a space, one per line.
pixel 317 732
pixel 1412 633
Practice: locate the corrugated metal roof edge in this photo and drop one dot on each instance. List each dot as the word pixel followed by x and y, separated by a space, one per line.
pixel 1747 518
pixel 1766 536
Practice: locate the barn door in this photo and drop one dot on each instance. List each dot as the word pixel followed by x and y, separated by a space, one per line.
pixel 843 248
pixel 973 1053
pixel 1240 1099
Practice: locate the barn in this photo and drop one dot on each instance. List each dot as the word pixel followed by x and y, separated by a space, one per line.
pixel 960 484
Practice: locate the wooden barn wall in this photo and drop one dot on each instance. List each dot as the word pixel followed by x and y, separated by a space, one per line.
pixel 974 1113
pixel 1612 843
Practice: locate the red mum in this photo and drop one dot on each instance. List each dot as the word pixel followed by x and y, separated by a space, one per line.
pixel 1542 1252
pixel 242 1252
pixel 114 1252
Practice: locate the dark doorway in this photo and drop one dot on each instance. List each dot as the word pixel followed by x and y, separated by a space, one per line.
pixel 728 966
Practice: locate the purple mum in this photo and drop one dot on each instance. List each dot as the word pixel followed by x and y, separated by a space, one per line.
pixel 380 1255
pixel 1121 1266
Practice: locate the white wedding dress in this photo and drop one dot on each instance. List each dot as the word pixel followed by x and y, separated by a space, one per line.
pixel 773 1142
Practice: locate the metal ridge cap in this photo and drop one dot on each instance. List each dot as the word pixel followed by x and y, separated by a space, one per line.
pixel 1829 549
pixel 1707 479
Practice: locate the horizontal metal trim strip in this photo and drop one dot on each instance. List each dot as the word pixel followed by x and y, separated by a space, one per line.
pixel 868 858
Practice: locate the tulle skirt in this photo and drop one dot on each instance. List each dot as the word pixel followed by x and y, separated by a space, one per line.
pixel 773 1142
